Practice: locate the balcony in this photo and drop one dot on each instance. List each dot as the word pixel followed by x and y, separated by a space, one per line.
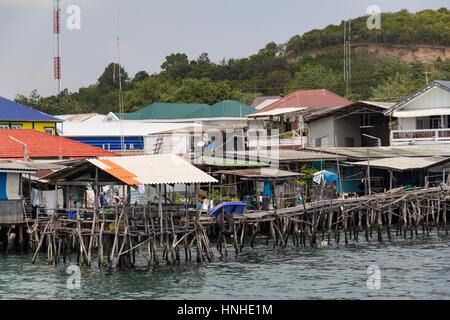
pixel 262 143
pixel 424 136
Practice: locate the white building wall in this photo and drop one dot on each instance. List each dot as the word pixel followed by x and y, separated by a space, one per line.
pixel 433 99
pixel 323 129
pixel 171 143
pixel 407 123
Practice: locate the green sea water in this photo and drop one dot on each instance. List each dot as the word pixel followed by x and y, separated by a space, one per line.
pixel 418 269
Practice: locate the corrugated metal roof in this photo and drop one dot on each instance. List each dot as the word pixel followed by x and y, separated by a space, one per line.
pixel 120 128
pixel 229 109
pixel 261 99
pixel 13 111
pixel 152 169
pixel 360 106
pixel 261 173
pixel 27 166
pixel 381 104
pixel 316 98
pixel 223 162
pixel 388 152
pixel 264 102
pixel 270 156
pixel 403 163
pixel 82 117
pixel 168 111
pixel 43 146
pixel 275 112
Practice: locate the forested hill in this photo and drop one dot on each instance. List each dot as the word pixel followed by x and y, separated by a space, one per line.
pixel 426 27
pixel 312 60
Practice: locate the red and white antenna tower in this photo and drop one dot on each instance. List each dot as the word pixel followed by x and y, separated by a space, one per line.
pixel 57 57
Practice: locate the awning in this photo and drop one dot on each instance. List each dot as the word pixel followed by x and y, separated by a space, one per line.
pixel 132 170
pixel 152 169
pixel 26 166
pixel 403 163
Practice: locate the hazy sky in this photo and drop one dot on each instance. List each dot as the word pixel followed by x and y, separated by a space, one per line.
pixel 151 29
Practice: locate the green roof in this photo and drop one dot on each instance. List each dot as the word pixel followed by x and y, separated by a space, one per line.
pixel 163 111
pixel 229 108
pixel 167 111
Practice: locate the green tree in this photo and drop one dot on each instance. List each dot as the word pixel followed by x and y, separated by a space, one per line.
pixel 314 77
pixel 109 80
pixel 176 65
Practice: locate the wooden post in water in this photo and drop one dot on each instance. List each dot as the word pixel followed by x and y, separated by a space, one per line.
pixel 160 215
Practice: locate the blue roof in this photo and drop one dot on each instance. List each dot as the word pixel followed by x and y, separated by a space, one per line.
pixel 13 111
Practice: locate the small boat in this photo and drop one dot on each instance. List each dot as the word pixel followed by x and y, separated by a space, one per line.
pixel 230 208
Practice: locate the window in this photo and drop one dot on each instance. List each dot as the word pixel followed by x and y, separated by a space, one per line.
pixel 349 142
pixel 419 124
pixel 435 122
pixel 318 142
pixel 321 142
pixel 49 130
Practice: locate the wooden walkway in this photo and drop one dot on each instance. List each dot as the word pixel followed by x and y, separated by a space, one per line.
pixel 116 237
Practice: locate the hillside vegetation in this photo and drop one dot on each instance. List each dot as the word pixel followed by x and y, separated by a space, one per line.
pixel 275 70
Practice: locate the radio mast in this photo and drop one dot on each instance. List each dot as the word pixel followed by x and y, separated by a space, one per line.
pixel 57 53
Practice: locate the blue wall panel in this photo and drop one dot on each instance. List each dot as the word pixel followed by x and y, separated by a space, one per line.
pixel 112 143
pixel 3 182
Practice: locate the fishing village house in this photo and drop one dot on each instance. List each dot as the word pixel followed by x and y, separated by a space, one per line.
pixel 28 154
pixel 360 124
pixel 14 115
pixel 286 116
pixel 130 136
pixel 423 117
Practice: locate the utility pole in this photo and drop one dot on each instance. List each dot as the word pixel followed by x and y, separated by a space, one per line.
pixel 426 73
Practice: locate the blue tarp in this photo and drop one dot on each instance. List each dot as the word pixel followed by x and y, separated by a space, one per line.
pixel 326 176
pixel 229 208
pixel 330 176
pixel 13 111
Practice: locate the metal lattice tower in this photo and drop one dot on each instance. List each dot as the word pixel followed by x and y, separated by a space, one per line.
pixel 57 53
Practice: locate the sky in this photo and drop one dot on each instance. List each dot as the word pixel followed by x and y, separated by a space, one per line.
pixel 149 30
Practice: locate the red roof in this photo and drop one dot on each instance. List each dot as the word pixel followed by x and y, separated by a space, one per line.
pixel 44 146
pixel 316 98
